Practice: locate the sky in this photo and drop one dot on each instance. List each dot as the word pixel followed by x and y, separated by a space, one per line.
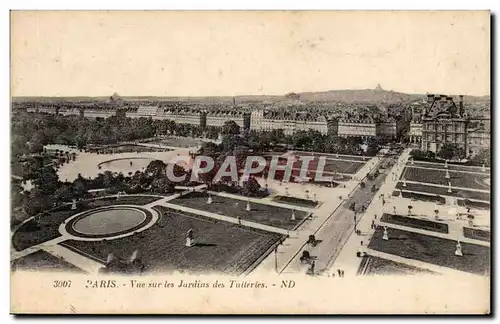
pixel 81 53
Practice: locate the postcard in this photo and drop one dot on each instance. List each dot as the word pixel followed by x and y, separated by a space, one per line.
pixel 250 162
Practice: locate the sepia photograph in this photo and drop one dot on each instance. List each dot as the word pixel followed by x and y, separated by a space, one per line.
pixel 250 162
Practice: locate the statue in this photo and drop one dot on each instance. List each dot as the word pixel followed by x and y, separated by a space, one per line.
pixel 458 251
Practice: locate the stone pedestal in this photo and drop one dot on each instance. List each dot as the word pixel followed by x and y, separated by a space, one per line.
pixel 449 187
pixel 189 242
pixel 209 200
pixel 248 207
pixel 385 237
pixel 483 168
pixel 293 215
pixel 446 164
pixel 447 176
pixel 73 205
pixel 458 251
pixel 404 183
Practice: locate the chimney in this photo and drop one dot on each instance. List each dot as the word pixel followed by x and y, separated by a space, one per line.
pixel 461 110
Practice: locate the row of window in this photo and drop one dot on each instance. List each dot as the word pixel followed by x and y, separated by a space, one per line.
pixel 440 138
pixel 446 127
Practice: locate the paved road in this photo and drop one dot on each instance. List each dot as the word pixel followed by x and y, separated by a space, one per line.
pixel 337 230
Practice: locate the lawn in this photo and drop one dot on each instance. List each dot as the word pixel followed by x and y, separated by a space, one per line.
pixel 377 266
pixel 451 167
pixel 43 228
pixel 260 213
pixel 42 261
pixel 443 191
pixel 221 247
pixel 295 201
pixel 420 196
pixel 434 250
pixel 474 204
pixel 477 234
pixel 415 223
pixel 332 166
pixel 457 179
pixel 295 173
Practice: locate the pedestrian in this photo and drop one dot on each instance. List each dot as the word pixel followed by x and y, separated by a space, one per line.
pixel 239 220
pixel 339 272
pixel 342 273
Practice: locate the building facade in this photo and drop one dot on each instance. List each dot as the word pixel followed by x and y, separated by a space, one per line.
pixel 289 122
pixel 444 122
pixel 363 127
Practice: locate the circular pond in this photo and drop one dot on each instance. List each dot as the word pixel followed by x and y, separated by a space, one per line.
pixel 126 165
pixel 108 221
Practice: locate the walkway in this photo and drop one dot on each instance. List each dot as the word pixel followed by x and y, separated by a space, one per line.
pixel 226 218
pixel 78 260
pixel 347 259
pixel 335 232
pixel 444 170
pixel 262 201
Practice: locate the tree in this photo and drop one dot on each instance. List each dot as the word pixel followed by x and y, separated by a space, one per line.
pixel 108 179
pixel 162 185
pixel 251 187
pixel 373 147
pixel 483 157
pixel 451 151
pixel 46 180
pixel 230 128
pixel 79 188
pixel 208 148
pixel 63 193
pixel 156 168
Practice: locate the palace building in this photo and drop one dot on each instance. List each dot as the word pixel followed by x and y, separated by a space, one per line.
pixel 442 121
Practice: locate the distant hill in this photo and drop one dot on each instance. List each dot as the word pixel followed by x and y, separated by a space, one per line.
pixel 373 96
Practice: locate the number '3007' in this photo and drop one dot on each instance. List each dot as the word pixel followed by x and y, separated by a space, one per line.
pixel 62 284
